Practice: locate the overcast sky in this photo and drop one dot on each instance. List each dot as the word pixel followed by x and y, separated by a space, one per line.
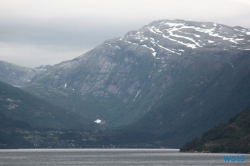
pixel 40 32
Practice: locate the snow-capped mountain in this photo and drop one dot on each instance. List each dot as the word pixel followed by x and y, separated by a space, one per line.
pixel 177 36
pixel 169 73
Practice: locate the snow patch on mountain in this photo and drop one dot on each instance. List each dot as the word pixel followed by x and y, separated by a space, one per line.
pixel 174 36
pixel 179 36
pixel 169 50
pixel 137 94
pixel 152 49
pixel 98 121
pixel 210 41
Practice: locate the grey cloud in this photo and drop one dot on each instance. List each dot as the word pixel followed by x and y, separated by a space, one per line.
pixel 74 28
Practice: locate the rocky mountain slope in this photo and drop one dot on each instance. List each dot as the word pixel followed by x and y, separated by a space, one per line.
pixel 169 74
pixel 17 75
pixel 206 95
pixel 20 109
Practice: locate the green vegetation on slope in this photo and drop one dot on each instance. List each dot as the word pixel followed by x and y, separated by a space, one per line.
pixel 22 107
pixel 232 136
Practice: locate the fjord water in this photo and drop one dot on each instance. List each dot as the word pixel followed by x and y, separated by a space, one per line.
pixel 108 157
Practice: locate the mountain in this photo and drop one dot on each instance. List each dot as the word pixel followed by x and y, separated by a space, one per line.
pixel 20 109
pixel 172 78
pixel 44 67
pixel 17 75
pixel 231 137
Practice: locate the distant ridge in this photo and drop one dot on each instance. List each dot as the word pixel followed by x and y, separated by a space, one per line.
pixel 17 75
pixel 44 67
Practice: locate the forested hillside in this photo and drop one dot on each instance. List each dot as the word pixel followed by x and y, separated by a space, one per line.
pixel 231 137
pixel 21 106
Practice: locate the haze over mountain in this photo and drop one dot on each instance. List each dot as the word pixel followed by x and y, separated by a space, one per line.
pixel 173 78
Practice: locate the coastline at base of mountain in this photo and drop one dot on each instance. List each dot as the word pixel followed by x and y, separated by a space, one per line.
pixel 230 137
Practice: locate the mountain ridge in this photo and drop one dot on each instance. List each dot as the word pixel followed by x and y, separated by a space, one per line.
pixel 17 75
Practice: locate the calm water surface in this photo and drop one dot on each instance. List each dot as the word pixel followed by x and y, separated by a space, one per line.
pixel 109 157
